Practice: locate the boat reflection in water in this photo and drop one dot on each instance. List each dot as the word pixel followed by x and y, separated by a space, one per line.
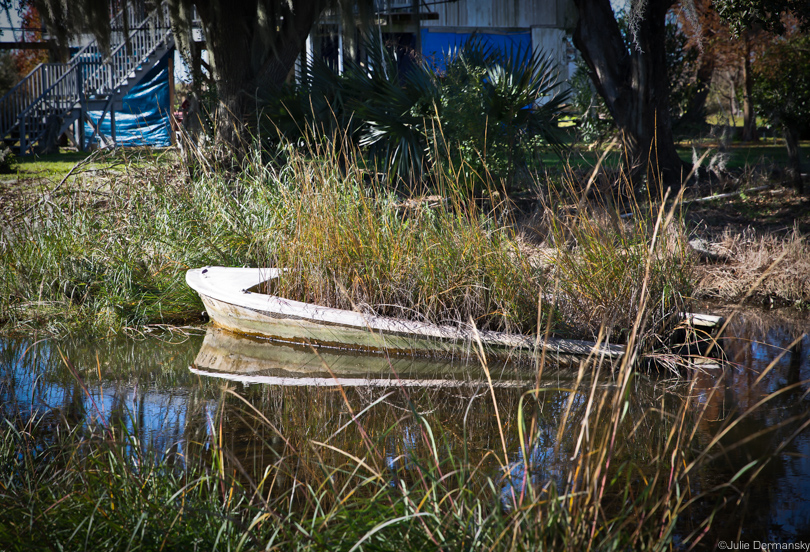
pixel 250 360
pixel 388 399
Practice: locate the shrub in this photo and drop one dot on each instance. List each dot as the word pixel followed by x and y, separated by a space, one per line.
pixel 7 161
pixel 782 93
pixel 476 119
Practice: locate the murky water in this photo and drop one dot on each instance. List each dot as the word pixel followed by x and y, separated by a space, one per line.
pixel 179 393
pixel 769 361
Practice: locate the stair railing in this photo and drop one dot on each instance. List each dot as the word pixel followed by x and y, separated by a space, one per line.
pixel 58 100
pixel 45 75
pixel 106 73
pixel 42 78
pixel 56 88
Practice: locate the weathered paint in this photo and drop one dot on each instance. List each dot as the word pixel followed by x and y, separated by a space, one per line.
pixel 484 14
pixel 226 293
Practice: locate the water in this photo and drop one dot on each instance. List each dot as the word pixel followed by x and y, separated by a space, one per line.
pixel 143 385
pixel 777 506
pixel 180 393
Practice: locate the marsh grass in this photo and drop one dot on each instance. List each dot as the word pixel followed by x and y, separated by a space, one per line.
pixel 616 261
pixel 747 259
pixel 596 461
pixel 351 243
pixel 112 259
pixel 108 260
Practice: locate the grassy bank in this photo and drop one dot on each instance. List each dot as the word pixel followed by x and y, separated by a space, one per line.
pixel 753 247
pixel 105 260
pixel 592 464
pixel 111 259
pixel 773 271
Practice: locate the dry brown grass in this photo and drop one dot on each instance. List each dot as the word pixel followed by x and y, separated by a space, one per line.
pixel 782 263
pixel 596 257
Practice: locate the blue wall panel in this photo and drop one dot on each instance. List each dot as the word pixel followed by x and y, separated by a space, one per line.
pixel 436 44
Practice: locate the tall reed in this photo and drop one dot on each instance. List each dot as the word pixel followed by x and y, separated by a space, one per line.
pixel 107 260
pixel 350 242
pixel 592 460
pixel 618 261
pixel 114 258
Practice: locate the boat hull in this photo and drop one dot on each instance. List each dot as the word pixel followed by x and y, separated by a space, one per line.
pixel 233 302
pixel 300 330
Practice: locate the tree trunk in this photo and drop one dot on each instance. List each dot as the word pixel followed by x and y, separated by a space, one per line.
pixel 732 102
pixel 635 87
pixel 794 159
pixel 228 37
pixel 192 118
pixel 749 114
pixel 252 51
pixel 696 112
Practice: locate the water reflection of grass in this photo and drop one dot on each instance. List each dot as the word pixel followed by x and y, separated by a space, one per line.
pixel 590 462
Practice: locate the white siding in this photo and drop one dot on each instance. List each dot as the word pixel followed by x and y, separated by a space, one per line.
pixel 552 42
pixel 499 13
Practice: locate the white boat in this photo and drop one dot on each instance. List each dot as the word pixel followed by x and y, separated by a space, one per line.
pixel 233 301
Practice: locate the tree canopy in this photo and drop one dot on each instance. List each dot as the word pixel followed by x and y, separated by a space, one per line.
pixel 786 100
pixel 633 79
pixel 743 14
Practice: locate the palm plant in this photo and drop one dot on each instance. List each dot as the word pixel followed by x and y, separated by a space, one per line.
pixel 394 108
pixel 476 119
pixel 495 105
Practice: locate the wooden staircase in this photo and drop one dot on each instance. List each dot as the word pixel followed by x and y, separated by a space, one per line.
pixel 55 95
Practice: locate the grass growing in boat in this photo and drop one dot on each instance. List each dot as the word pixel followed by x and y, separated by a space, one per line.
pixel 105 260
pixel 612 263
pixel 351 243
pixel 453 258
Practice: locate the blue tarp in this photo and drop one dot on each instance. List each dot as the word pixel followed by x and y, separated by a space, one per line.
pixel 436 44
pixel 144 118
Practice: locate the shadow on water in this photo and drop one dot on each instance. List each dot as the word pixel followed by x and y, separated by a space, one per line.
pixel 265 404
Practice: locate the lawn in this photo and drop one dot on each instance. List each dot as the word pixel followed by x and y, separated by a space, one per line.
pixel 39 170
pixel 768 152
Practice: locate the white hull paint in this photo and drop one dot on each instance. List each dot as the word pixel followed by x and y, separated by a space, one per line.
pixel 232 303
